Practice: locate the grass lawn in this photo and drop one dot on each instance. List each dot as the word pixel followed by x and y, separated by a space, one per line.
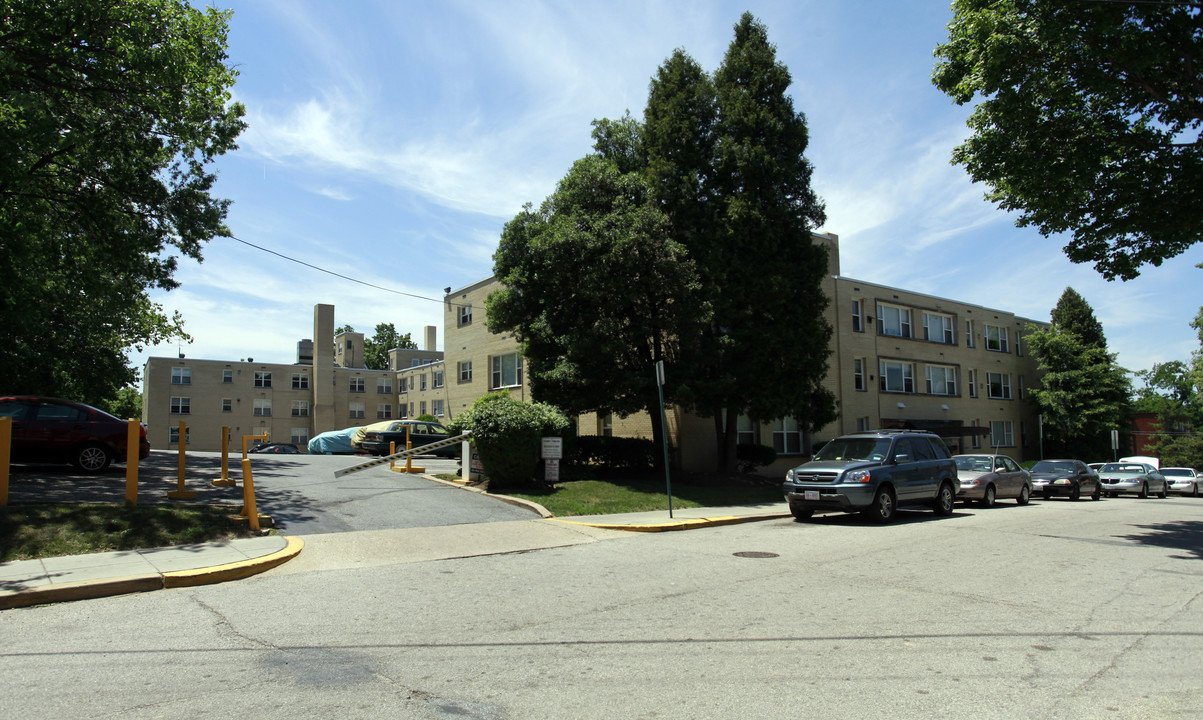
pixel 37 531
pixel 608 497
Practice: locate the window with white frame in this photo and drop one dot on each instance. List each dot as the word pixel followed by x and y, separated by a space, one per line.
pixel 507 371
pixel 300 381
pixel 605 424
pixel 358 410
pixel 1019 387
pixel 173 435
pixel 862 423
pixel 436 408
pixel 858 374
pixel 937 328
pixel 999 385
pixel 1018 345
pixel 436 378
pixel 745 433
pixel 464 368
pixel 300 408
pixel 894 321
pixel 1002 433
pixel 896 377
pixel 973 383
pixel 263 379
pixel 384 412
pixel 465 314
pixel 422 381
pixel 976 438
pixel 357 384
pixel 300 436
pixel 384 386
pixel 941 380
pixel 997 339
pixel 227 405
pixel 263 407
pixel 227 376
pixel 858 316
pixel 181 376
pixel 181 405
pixel 787 438
pixel 411 410
pixel 422 407
pixel 968 333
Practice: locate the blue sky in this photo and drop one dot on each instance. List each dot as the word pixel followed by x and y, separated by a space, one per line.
pixel 391 141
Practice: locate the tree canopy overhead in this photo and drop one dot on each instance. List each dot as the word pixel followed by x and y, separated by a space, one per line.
pixel 1088 123
pixel 110 114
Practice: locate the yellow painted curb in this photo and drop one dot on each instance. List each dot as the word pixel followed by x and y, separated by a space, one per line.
pixel 235 570
pixel 677 524
pixel 83 590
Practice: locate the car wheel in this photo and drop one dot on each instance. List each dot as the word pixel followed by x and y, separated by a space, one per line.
pixel 1144 491
pixel 1024 496
pixel 1165 491
pixel 801 513
pixel 1098 493
pixel 945 500
pixel 92 459
pixel 1075 492
pixel 989 497
pixel 1194 490
pixel 1047 495
pixel 882 510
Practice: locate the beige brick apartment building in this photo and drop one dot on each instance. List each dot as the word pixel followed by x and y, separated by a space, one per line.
pixel 900 359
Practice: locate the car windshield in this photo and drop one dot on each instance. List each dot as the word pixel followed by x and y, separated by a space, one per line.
pixel 975 463
pixel 1177 472
pixel 1123 468
pixel 1051 466
pixel 855 449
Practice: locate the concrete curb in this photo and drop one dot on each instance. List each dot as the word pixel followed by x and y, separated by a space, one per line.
pixel 234 570
pixel 690 524
pixel 532 506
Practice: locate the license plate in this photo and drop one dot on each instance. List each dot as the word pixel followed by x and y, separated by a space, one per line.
pixel 810 494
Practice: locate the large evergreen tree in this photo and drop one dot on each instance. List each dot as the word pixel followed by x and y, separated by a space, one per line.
pixel 110 113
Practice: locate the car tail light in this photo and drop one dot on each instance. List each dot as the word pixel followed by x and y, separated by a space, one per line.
pixel 142 430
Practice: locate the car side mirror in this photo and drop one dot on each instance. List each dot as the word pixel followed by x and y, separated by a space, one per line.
pixel 901 458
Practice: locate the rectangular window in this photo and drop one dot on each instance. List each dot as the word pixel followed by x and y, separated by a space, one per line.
pixel 358 410
pixel 436 408
pixel 181 376
pixel 1018 345
pixel 941 380
pixel 976 441
pixel 897 377
pixel 465 314
pixel 422 381
pixel 937 328
pixel 999 385
pixel 227 376
pixel 357 384
pixel 465 371
pixel 973 383
pixel 858 374
pixel 858 316
pixel 384 412
pixel 181 405
pixel 411 410
pixel 1019 381
pixel 968 333
pixel 263 379
pixel 996 339
pixel 300 381
pixel 300 436
pixel 422 407
pixel 605 425
pixel 507 371
pixel 862 423
pixel 1002 433
pixel 894 321
pixel 300 408
pixel 787 439
pixel 384 386
pixel 227 405
pixel 263 407
pixel 436 378
pixel 173 435
pixel 745 433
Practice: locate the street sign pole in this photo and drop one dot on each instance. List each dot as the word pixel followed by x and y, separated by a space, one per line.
pixel 668 483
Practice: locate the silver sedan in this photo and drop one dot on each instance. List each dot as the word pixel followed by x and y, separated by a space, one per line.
pixel 1138 479
pixel 1183 480
pixel 985 478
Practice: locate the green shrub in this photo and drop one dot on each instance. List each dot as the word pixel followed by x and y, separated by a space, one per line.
pixel 427 418
pixel 619 453
pixel 751 456
pixel 508 436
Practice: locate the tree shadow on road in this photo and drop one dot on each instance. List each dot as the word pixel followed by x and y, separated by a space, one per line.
pixel 1185 535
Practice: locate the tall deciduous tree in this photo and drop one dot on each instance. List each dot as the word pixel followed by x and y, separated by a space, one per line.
pixel 1089 121
pixel 110 113
pixel 375 348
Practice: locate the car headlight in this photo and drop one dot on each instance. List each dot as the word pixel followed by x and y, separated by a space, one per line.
pixel 789 475
pixel 857 476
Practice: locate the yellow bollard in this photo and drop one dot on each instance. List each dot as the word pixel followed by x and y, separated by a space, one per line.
pixel 132 436
pixel 6 446
pixel 225 480
pixel 392 449
pixel 248 496
pixel 265 437
pixel 409 466
pixel 180 493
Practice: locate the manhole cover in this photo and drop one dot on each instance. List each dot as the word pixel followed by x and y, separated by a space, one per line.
pixel 755 554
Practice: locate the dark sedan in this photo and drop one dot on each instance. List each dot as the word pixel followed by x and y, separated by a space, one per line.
pixel 63 431
pixel 275 449
pixel 1070 478
pixel 420 432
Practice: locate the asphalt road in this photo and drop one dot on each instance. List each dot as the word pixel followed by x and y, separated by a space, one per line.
pixel 299 492
pixel 1054 610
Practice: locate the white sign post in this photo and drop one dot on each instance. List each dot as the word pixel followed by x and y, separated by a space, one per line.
pixel 553 452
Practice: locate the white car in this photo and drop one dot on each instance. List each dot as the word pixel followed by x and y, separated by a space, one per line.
pixel 1183 480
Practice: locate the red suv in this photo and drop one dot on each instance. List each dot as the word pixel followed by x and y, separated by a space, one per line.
pixel 53 430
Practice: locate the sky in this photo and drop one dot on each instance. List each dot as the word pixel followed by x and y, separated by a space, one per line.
pixel 389 142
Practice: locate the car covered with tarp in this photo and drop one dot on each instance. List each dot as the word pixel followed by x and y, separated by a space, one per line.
pixel 333 442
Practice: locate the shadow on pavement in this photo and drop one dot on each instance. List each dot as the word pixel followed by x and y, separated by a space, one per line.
pixel 1179 535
